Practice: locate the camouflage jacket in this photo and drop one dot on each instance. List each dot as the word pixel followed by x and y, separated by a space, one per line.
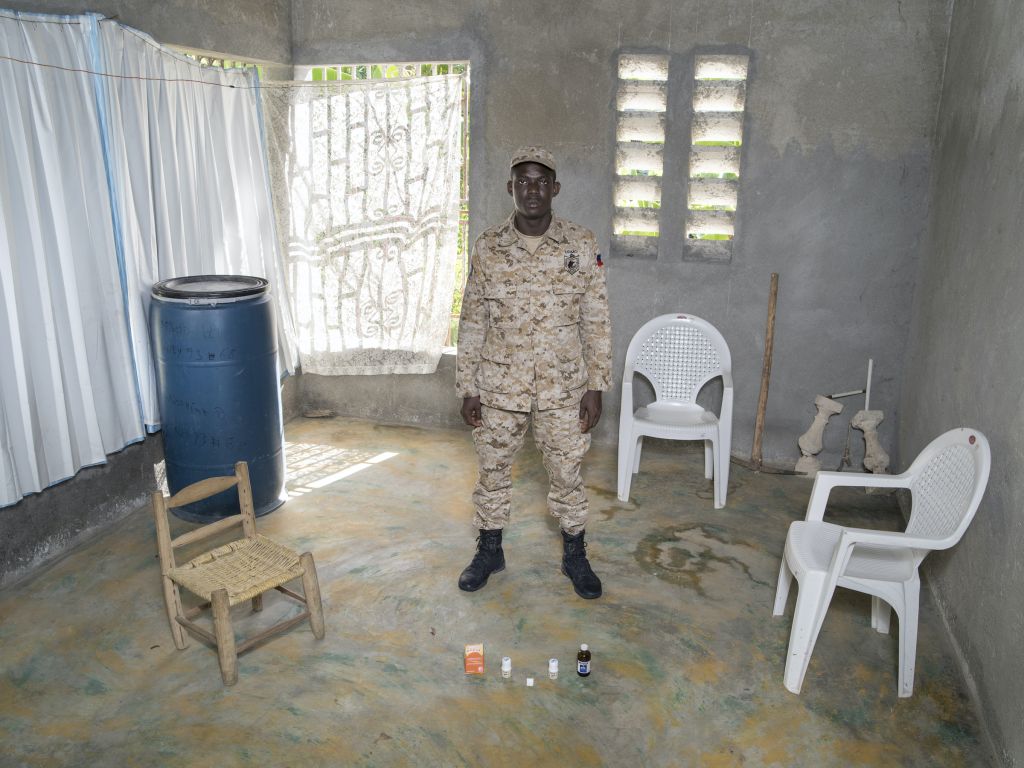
pixel 534 326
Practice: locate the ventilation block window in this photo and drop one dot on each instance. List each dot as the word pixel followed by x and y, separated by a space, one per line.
pixel 719 99
pixel 641 105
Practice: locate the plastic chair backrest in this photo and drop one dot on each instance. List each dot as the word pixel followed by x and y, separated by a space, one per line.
pixel 678 354
pixel 948 485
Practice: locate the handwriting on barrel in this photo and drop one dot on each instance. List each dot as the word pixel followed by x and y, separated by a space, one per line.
pixel 198 438
pixel 206 329
pixel 199 354
pixel 196 409
pixel 175 329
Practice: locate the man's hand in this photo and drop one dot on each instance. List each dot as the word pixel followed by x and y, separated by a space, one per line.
pixel 590 410
pixel 471 410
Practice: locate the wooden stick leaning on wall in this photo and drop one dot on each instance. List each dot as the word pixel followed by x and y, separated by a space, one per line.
pixel 766 372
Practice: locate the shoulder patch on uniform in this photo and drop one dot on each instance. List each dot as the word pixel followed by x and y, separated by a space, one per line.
pixel 599 262
pixel 572 262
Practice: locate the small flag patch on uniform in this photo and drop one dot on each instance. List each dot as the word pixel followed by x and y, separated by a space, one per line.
pixel 599 262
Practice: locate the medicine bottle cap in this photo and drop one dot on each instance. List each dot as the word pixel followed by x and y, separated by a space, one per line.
pixel 553 665
pixel 584 647
pixel 506 663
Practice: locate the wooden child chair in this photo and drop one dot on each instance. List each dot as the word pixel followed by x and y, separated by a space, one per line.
pixel 230 574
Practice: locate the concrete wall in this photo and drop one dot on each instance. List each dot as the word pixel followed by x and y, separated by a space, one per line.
pixel 835 171
pixel 254 30
pixel 290 405
pixel 965 362
pixel 427 400
pixel 41 527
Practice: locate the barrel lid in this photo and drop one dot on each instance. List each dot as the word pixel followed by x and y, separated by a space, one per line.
pixel 197 289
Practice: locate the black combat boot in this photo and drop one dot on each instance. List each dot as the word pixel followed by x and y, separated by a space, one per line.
pixel 489 558
pixel 577 568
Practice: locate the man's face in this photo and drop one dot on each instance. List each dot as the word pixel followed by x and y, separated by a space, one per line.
pixel 532 187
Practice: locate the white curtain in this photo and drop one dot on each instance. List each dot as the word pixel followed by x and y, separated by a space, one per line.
pixel 191 188
pixel 67 386
pixel 121 163
pixel 365 177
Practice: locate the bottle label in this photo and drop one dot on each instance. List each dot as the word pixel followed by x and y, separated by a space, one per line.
pixel 583 667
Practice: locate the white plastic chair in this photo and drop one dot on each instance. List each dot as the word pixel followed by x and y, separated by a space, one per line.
pixel 677 354
pixel 946 481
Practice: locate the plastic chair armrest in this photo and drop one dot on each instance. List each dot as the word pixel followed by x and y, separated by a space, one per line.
pixel 626 396
pixel 725 411
pixel 851 537
pixel 824 482
pixel 854 536
pixel 727 379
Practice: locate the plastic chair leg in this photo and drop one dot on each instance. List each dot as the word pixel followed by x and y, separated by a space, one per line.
pixel 804 632
pixel 908 637
pixel 636 453
pixel 716 481
pixel 311 589
pixel 625 466
pixel 880 614
pixel 782 588
pixel 722 470
pixel 709 460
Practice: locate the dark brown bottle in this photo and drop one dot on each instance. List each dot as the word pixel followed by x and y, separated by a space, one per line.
pixel 583 661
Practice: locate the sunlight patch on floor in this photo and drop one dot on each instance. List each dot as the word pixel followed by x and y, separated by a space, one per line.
pixel 312 466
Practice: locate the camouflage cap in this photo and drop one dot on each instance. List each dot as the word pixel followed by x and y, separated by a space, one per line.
pixel 533 155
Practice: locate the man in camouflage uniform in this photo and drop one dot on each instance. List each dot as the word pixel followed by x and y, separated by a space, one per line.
pixel 534 344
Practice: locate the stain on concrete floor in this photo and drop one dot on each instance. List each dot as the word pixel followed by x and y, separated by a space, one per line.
pixel 688 660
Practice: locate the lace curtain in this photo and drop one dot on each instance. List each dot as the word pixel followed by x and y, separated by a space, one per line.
pixel 365 178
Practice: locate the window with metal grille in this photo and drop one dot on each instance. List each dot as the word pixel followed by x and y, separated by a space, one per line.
pixel 391 70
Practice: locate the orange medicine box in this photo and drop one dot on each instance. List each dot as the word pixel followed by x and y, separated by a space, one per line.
pixel 474 659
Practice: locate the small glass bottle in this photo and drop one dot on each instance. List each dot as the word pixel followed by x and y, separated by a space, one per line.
pixel 506 667
pixel 553 669
pixel 583 661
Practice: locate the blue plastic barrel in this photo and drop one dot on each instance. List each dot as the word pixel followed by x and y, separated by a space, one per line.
pixel 215 343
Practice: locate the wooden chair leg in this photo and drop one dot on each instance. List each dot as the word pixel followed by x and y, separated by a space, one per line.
pixel 257 604
pixel 311 589
pixel 173 602
pixel 225 636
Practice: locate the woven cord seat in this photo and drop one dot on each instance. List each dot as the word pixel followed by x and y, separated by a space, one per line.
pixel 230 574
pixel 245 568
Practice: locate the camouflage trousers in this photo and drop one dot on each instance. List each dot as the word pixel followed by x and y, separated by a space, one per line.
pixel 562 446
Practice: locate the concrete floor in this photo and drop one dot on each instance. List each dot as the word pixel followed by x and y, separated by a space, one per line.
pixel 688 660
